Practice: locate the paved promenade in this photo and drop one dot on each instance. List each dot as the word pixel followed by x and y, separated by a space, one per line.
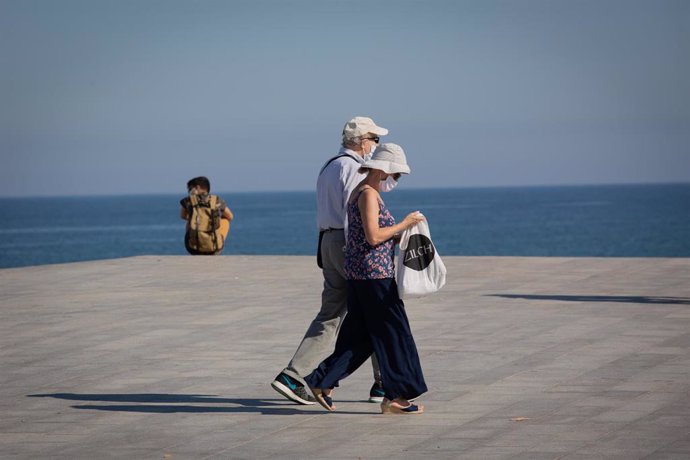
pixel 171 358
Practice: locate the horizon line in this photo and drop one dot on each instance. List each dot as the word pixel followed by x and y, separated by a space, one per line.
pixel 468 187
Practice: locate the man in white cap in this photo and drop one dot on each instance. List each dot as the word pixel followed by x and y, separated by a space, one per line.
pixel 338 177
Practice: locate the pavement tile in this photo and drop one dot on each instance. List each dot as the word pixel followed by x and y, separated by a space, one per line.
pixel 537 455
pixel 666 456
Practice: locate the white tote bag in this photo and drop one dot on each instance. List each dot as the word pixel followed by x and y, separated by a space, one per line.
pixel 420 270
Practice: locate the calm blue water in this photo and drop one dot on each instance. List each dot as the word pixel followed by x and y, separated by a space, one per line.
pixel 608 221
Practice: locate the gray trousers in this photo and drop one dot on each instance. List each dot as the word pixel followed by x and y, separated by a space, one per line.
pixel 319 339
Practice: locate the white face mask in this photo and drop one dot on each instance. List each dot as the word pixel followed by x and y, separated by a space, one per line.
pixel 388 185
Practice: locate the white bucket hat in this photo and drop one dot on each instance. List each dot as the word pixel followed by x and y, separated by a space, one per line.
pixel 389 158
pixel 360 126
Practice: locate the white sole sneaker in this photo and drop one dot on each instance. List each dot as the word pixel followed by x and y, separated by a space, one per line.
pixel 289 394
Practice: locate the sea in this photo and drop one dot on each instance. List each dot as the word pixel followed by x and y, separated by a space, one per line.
pixel 567 221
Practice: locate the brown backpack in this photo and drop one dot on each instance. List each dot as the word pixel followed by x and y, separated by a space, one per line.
pixel 203 225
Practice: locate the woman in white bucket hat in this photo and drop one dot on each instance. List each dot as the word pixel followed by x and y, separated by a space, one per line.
pixel 376 320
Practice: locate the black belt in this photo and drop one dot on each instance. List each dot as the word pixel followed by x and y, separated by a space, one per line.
pixel 324 230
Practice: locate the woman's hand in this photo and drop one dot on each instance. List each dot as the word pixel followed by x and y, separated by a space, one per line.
pixel 413 219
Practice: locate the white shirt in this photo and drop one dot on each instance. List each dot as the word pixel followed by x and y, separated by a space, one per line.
pixel 333 189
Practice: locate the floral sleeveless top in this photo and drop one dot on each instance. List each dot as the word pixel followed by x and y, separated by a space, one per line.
pixel 362 260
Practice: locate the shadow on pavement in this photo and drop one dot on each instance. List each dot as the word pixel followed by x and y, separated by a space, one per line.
pixel 171 403
pixel 161 403
pixel 599 298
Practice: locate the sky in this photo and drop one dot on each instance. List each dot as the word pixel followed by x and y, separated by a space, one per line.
pixel 109 97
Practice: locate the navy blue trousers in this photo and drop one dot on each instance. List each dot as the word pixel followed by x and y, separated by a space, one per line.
pixel 375 322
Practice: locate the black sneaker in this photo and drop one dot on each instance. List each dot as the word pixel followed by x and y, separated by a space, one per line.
pixel 376 393
pixel 292 389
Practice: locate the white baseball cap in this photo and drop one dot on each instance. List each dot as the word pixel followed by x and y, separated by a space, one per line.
pixel 389 158
pixel 360 126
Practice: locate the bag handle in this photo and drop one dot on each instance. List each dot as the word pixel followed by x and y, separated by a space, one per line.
pixel 335 158
pixel 420 228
